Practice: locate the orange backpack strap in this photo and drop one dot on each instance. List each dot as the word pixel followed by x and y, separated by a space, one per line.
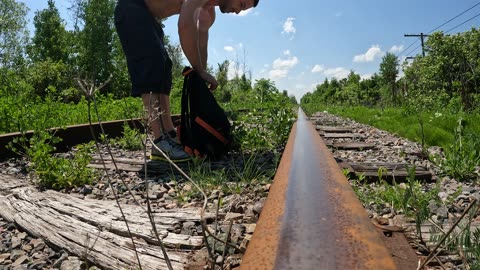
pixel 210 129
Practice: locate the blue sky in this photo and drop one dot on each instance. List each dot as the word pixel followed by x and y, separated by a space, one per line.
pixel 297 44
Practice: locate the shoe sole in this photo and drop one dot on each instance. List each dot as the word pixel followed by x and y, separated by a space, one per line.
pixel 174 160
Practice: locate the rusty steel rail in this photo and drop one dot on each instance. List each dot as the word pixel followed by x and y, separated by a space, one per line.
pixel 312 218
pixel 71 135
pixel 76 134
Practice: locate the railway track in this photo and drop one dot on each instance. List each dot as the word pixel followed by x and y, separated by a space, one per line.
pixel 311 219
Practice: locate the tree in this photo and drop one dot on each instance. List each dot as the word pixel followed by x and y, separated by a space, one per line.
pixel 13 33
pixel 389 68
pixel 223 93
pixel 96 39
pixel 449 74
pixel 176 55
pixel 50 39
pixel 264 88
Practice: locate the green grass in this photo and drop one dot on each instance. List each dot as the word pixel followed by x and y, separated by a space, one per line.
pixel 22 114
pixel 439 127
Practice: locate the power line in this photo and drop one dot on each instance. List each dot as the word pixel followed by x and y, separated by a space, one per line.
pixel 413 43
pixel 463 23
pixel 414 49
pixel 400 53
pixel 422 36
pixel 454 17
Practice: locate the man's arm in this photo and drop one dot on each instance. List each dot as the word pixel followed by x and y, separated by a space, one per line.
pixel 193 25
pixel 205 21
pixel 188 32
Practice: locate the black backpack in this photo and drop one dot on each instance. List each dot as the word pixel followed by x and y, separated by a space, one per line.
pixel 204 128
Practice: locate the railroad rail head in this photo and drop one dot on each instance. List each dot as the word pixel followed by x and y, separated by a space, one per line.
pixel 312 218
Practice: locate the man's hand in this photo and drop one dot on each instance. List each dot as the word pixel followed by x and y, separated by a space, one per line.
pixel 212 82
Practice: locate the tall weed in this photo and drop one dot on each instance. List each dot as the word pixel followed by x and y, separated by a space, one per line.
pixel 463 155
pixel 51 171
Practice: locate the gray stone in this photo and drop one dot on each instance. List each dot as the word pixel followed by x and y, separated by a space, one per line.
pixel 16 242
pixel 3 257
pixel 189 225
pixel 16 253
pixel 238 229
pixel 60 260
pixel 38 264
pixel 442 212
pixel 233 216
pixel 258 206
pixel 87 189
pixel 72 263
pixel 20 260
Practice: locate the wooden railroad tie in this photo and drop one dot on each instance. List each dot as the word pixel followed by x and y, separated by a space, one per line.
pixel 390 172
pixel 94 229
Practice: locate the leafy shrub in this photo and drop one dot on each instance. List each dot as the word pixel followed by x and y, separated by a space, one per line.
pixel 463 155
pixel 131 140
pixel 51 171
pixel 267 127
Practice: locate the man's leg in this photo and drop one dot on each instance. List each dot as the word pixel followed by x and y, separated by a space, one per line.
pixel 160 117
pixel 166 115
pixel 160 121
pixel 151 103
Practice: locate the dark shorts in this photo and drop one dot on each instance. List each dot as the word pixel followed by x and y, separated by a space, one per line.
pixel 149 65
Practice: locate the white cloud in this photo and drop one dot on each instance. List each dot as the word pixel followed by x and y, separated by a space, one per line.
pixel 366 76
pixel 338 14
pixel 228 48
pixel 318 68
pixel 370 55
pixel 288 27
pixel 281 67
pixel 276 74
pixel 338 73
pixel 285 63
pixel 396 49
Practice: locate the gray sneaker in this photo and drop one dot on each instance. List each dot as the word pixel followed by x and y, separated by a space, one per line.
pixel 173 150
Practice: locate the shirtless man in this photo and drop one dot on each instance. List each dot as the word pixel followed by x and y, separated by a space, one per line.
pixel 149 65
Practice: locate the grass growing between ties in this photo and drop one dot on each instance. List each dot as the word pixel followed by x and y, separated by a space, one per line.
pixel 439 127
pixel 456 133
pixel 410 198
pixel 50 170
pixel 465 239
pixel 241 174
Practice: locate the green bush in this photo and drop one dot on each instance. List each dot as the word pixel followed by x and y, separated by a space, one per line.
pixel 267 127
pixel 463 155
pixel 51 171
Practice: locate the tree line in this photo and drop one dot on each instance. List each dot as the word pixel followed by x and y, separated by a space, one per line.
pixel 448 76
pixel 50 61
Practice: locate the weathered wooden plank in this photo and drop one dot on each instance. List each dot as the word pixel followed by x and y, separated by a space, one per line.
pixel 388 166
pixel 94 229
pixel 339 135
pixel 106 215
pixel 353 146
pixel 390 176
pixel 153 166
pixel 334 129
pixel 106 249
pixel 120 166
pixel 135 161
pixel 9 182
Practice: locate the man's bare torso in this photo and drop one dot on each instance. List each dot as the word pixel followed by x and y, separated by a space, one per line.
pixel 165 8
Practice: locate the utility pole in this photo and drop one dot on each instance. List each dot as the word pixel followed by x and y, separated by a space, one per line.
pixel 422 35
